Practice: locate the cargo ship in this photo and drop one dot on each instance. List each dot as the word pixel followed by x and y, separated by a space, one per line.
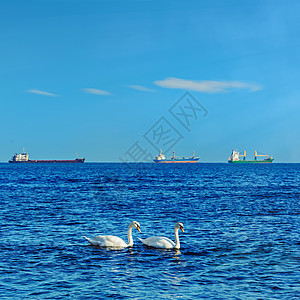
pixel 24 158
pixel 161 158
pixel 235 158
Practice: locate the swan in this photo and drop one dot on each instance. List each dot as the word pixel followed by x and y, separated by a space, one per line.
pixel 114 241
pixel 163 242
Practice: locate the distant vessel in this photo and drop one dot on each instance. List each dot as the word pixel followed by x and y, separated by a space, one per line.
pixel 235 158
pixel 24 158
pixel 161 158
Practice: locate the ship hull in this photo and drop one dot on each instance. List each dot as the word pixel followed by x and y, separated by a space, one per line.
pixel 75 161
pixel 267 161
pixel 175 161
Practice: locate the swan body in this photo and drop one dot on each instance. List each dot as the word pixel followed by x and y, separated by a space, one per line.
pixel 114 241
pixel 163 242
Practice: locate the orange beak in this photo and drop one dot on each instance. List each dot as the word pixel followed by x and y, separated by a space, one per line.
pixel 182 229
pixel 138 228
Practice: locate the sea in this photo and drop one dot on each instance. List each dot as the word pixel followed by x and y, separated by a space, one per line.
pixel 241 223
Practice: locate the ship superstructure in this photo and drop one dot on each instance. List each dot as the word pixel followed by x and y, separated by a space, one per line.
pixel 235 157
pixel 21 157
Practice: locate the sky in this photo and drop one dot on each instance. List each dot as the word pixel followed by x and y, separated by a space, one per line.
pixel 119 80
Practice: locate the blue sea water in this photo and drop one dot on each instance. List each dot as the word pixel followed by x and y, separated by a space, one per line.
pixel 241 240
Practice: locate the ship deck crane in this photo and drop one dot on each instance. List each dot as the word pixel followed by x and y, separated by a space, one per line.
pixel 257 155
pixel 243 155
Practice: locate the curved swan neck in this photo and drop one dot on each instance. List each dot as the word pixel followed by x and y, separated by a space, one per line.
pixel 129 235
pixel 177 243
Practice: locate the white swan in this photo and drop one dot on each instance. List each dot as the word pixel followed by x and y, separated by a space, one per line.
pixel 114 241
pixel 163 242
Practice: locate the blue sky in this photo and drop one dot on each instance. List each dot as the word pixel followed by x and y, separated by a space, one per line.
pixel 94 76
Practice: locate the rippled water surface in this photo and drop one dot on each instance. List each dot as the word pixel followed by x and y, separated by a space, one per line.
pixel 241 237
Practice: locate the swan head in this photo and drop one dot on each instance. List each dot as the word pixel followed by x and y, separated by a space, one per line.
pixel 179 226
pixel 136 225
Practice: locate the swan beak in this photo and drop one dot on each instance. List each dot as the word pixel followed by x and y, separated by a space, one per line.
pixel 182 229
pixel 138 228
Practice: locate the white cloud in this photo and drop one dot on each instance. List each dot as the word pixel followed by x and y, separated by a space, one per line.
pixel 206 86
pixel 141 88
pixel 96 92
pixel 39 92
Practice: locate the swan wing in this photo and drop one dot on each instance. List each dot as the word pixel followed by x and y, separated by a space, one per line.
pixel 107 241
pixel 158 242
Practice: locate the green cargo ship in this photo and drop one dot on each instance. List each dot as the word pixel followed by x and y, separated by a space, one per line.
pixel 235 158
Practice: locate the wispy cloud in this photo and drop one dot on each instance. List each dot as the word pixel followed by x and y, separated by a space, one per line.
pixel 206 86
pixel 141 88
pixel 96 92
pixel 39 92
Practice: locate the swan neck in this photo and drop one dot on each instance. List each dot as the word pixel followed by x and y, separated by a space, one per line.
pixel 129 235
pixel 177 243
